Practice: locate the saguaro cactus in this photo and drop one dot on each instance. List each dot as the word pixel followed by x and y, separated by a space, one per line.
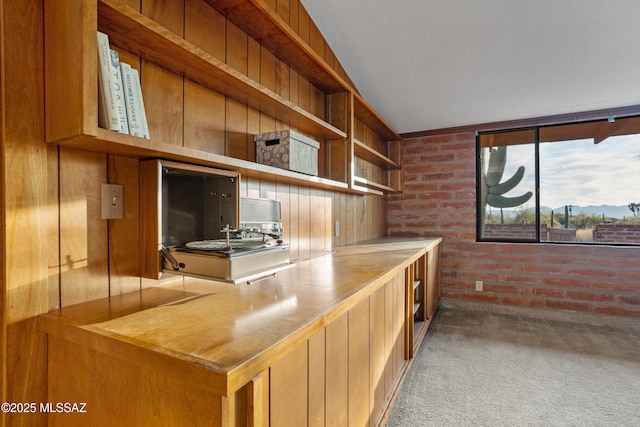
pixel 491 187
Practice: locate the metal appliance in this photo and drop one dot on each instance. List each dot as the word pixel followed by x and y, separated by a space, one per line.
pixel 210 232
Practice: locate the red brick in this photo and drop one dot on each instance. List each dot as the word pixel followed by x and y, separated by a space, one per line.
pixel 617 286
pixel 483 296
pixel 456 186
pixel 550 293
pixel 421 169
pixel 567 305
pixel 632 300
pixel 591 273
pixel 520 279
pixel 494 266
pixel 500 288
pixel 437 158
pixel 627 274
pixel 459 204
pixel 566 283
pixel 620 311
pixel 542 269
pixel 590 296
pixel 566 260
pixel 529 302
pixel 568 249
pixel 437 176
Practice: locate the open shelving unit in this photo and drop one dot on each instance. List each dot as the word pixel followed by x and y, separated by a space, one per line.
pixel 71 102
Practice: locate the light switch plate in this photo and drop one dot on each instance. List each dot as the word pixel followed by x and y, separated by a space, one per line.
pixel 112 201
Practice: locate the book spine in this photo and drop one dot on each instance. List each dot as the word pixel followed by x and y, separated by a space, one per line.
pixel 137 93
pixel 123 123
pixel 107 105
pixel 132 110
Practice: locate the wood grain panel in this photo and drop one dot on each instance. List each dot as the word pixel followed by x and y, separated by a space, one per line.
pixel 390 340
pixel 52 231
pixel 304 221
pixel 159 399
pixel 205 27
pixel 237 48
pixel 267 69
pixel 282 79
pixel 124 235
pixel 204 119
pixel 258 401
pixel 27 220
pixel 83 234
pixel 377 323
pixel 433 281
pixel 162 90
pixel 316 41
pixel 359 364
pixel 399 326
pixel 319 222
pixel 282 9
pixel 79 44
pixel 294 221
pixel 317 374
pixel 236 129
pixel 294 10
pixel 337 370
pixel 294 87
pixel 304 95
pixel 289 388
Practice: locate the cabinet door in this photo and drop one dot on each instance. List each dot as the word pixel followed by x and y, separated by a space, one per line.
pixel 378 354
pixel 337 366
pixel 359 361
pixel 288 389
pixel 433 281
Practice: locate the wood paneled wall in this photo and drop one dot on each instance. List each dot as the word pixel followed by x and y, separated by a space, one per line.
pixel 55 248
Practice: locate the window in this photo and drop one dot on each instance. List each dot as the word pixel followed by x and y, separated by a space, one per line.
pixel 577 182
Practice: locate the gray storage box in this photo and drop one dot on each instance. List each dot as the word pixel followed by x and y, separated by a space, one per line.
pixel 287 149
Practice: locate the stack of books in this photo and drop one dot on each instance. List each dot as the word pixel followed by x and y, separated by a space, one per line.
pixel 120 103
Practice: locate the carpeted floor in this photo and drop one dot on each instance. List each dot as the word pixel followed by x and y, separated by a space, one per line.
pixel 483 368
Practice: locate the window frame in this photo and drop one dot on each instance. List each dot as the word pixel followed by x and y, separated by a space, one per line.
pixel 536 193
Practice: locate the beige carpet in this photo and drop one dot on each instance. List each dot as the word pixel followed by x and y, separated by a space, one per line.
pixel 485 368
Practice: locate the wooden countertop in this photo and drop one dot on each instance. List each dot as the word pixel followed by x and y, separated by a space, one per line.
pixel 223 335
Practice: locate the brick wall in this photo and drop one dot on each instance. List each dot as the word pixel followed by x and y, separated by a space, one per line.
pixel 514 231
pixel 620 233
pixel 439 200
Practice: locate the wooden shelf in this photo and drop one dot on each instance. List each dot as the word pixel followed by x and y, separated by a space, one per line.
pixel 259 21
pixel 162 47
pixel 369 154
pixel 121 144
pixel 367 185
pixel 368 116
pixel 76 124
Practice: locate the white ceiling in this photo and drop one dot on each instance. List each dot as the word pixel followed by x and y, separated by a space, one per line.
pixel 431 64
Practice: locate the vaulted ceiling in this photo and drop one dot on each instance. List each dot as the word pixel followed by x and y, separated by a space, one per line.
pixel 432 64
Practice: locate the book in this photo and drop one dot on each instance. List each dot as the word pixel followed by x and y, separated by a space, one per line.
pixel 134 102
pixel 123 122
pixel 107 105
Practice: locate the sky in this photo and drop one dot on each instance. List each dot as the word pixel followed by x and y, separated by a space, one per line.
pixel 580 173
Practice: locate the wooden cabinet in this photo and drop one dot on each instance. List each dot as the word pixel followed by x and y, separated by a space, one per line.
pixel 347 373
pixel 303 348
pixel 197 93
pixel 422 282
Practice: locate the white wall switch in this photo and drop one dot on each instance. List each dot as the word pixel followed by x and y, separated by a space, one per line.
pixel 478 285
